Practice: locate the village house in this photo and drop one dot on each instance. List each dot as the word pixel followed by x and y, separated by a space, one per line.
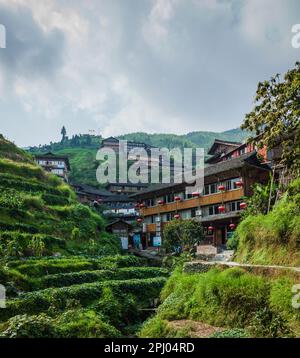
pixel 227 181
pixel 125 188
pixel 88 194
pixel 55 164
pixel 114 144
pixel 123 229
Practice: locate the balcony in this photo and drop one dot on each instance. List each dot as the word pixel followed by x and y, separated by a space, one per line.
pixel 212 199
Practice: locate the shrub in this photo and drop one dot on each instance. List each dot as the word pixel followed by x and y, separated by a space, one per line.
pixel 272 238
pixel 72 278
pixel 40 301
pixel 77 323
pixel 33 202
pixel 75 234
pixel 232 333
pixel 51 199
pixel 82 323
pixel 25 326
pixel 23 169
pixel 182 235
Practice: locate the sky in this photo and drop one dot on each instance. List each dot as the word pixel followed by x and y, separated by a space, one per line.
pixel 121 66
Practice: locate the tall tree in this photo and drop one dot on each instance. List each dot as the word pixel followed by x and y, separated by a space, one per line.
pixel 63 132
pixel 276 117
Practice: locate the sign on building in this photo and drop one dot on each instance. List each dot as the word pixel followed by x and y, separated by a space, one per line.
pixel 157 241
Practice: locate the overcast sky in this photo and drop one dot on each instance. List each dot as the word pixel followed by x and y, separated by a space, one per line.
pixel 119 66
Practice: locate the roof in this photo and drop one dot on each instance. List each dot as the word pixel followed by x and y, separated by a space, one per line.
pixel 116 140
pixel 249 159
pixel 50 155
pixel 222 142
pixel 84 188
pixel 118 198
pixel 143 185
pixel 119 221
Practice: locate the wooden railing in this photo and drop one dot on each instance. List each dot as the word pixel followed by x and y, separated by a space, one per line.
pixel 212 199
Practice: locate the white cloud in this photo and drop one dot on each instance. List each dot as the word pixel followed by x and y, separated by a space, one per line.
pixel 156 66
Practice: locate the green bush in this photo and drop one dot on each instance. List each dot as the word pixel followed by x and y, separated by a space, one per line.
pixel 15 243
pixel 182 235
pixel 78 323
pixel 84 324
pixel 230 298
pixel 25 326
pixel 40 301
pixel 22 169
pixel 4 226
pixel 273 238
pixel 232 333
pixel 51 199
pixel 156 327
pixel 72 278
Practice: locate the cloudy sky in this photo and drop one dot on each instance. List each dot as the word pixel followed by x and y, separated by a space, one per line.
pixel 118 66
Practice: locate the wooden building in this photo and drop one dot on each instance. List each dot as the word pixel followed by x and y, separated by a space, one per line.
pixel 125 188
pixel 55 164
pixel 88 194
pixel 122 229
pixel 218 207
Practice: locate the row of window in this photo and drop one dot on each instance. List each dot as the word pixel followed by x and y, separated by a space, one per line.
pixel 209 189
pixel 191 213
pixel 51 162
pixel 214 209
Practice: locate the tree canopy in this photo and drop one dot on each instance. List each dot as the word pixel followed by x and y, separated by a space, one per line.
pixel 275 117
pixel 182 235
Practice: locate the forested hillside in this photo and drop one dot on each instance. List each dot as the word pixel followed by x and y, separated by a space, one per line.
pixel 82 149
pixel 64 276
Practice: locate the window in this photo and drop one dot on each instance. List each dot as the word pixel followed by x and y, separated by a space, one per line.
pixel 213 210
pixel 233 206
pixel 170 198
pixel 206 190
pixel 193 212
pixel 213 188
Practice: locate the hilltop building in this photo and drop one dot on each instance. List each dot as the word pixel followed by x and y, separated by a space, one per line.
pixel 55 164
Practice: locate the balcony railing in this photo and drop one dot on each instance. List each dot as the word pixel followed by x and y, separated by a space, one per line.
pixel 212 199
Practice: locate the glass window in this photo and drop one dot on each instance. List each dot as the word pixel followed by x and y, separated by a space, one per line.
pixel 206 190
pixel 213 188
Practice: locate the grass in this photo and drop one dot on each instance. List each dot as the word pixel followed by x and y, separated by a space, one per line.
pixel 229 298
pixel 274 238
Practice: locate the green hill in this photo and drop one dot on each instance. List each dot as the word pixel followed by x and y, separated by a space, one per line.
pixel 64 275
pixel 38 211
pixel 82 149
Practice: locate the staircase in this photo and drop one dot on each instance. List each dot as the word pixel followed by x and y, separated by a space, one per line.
pixel 212 253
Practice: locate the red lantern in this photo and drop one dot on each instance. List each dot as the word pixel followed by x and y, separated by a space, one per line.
pixel 210 228
pixel 139 220
pixel 142 206
pixel 221 187
pixel 239 184
pixel 221 209
pixel 176 216
pixel 243 206
pixel 177 198
pixel 232 226
pixel 195 194
pixel 160 202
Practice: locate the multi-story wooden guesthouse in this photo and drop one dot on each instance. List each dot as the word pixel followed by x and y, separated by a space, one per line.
pixel 227 182
pixel 55 164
